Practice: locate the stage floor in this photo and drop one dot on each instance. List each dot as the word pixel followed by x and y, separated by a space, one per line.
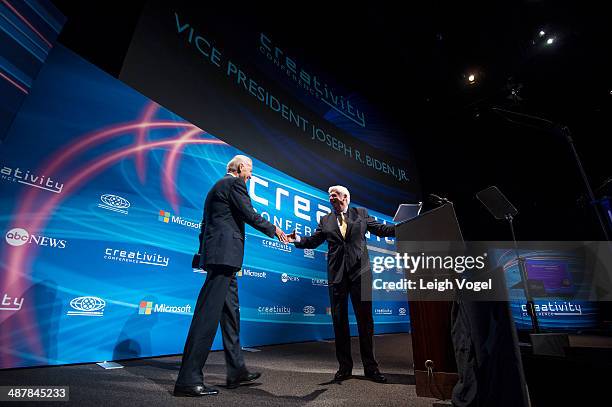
pixel 296 374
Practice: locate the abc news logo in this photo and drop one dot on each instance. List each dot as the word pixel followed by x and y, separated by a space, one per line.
pixel 285 278
pixel 19 237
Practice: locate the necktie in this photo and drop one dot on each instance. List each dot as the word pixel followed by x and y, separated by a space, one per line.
pixel 342 222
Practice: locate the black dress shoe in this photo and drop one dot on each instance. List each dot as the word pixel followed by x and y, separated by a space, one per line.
pixel 194 391
pixel 342 375
pixel 246 378
pixel 376 376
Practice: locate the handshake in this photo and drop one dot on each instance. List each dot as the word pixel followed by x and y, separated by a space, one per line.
pixel 281 236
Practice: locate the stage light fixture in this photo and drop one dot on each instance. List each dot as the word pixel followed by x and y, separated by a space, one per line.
pixel 542 33
pixel 550 41
pixel 472 78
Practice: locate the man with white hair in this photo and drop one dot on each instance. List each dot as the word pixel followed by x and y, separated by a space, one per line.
pixel 348 272
pixel 226 210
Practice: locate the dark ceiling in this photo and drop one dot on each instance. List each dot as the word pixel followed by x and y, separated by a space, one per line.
pixel 412 60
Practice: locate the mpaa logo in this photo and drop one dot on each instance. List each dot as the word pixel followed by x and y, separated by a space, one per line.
pixel 309 311
pixel 114 203
pixel 19 237
pixel 87 307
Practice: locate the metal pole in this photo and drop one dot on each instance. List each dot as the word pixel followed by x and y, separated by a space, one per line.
pixel 566 132
pixel 524 278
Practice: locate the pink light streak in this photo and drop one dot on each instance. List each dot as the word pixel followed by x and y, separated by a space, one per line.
pixel 57 161
pixel 141 136
pixel 170 167
pixel 22 18
pixel 24 90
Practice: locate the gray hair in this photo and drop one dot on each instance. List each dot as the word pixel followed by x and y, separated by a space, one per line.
pixel 342 190
pixel 234 163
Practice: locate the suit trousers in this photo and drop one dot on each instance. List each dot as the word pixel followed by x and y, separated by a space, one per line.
pixel 217 302
pixel 339 293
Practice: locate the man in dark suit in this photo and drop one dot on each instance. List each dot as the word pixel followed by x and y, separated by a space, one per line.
pixel 226 210
pixel 348 272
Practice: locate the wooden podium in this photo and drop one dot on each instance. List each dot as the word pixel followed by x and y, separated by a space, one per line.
pixel 431 320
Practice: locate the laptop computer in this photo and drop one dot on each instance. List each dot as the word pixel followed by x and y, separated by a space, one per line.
pixel 407 211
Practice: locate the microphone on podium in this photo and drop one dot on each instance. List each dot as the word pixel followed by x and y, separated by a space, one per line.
pixel 438 199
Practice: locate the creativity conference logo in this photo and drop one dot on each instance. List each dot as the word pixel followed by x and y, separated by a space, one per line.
pixel 320 282
pixel 87 307
pixel 276 245
pixel 274 310
pixel 167 217
pixel 555 308
pixel 401 311
pixel 114 203
pixel 148 307
pixel 11 303
pixel 136 257
pixel 309 82
pixel 19 237
pixel 30 179
pixel 383 311
pixel 309 253
pixel 309 311
pixel 285 278
pixel 251 273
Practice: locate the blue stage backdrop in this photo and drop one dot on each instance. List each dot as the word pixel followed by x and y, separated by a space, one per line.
pixel 102 195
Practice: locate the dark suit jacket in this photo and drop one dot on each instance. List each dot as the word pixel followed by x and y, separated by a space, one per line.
pixel 348 255
pixel 226 209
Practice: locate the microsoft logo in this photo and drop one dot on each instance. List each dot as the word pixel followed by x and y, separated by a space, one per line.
pixel 167 217
pixel 145 307
pixel 164 216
